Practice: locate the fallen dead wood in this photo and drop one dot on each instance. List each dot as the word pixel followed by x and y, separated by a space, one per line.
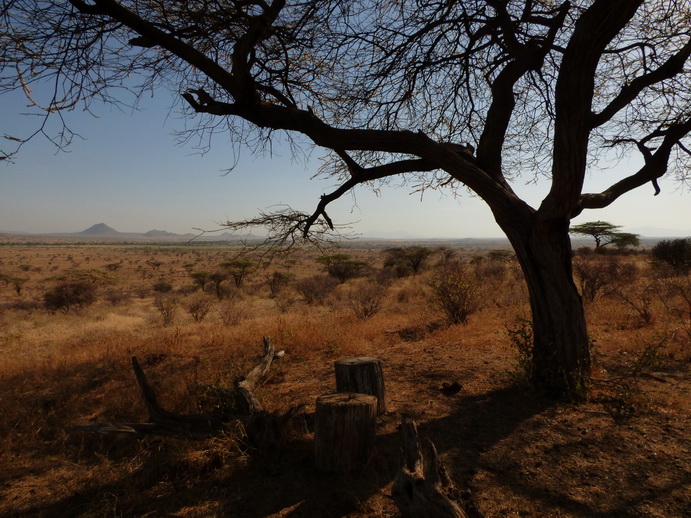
pixel 248 411
pixel 421 486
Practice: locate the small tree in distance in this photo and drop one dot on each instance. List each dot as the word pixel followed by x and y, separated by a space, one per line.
pixel 406 260
pixel 605 234
pixel 342 266
pixel 239 270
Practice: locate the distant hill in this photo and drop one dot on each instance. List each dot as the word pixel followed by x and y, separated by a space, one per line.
pixel 99 229
pixel 159 233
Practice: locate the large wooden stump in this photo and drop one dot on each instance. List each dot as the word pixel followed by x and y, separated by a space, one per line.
pixel 344 430
pixel 363 375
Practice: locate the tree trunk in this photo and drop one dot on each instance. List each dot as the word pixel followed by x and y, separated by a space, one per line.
pixel 344 431
pixel 363 375
pixel 561 349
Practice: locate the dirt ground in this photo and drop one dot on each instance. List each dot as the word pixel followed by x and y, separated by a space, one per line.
pixel 509 451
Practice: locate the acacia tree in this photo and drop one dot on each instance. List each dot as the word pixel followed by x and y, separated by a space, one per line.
pixel 447 94
pixel 605 233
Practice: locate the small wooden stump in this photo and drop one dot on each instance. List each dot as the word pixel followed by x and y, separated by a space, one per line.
pixel 344 430
pixel 363 375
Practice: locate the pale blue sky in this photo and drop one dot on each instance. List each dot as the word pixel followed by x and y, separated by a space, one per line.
pixel 130 174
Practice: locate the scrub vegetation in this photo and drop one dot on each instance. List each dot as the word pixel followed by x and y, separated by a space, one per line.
pixel 463 315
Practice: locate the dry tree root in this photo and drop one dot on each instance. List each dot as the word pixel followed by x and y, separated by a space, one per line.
pixel 262 429
pixel 420 485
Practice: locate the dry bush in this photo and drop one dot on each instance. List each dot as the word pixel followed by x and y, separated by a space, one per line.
pixel 365 298
pixel 233 310
pixel 285 300
pixel 601 275
pixel 640 300
pixel 455 291
pixel 167 306
pixel 199 306
pixel 317 288
pixel 675 295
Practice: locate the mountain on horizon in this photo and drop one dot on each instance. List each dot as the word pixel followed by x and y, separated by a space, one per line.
pixel 159 233
pixel 99 229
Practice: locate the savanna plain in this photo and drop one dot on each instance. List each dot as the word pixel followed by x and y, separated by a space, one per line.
pixel 73 314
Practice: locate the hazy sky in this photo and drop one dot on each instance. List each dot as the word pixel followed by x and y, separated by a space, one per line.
pixel 129 173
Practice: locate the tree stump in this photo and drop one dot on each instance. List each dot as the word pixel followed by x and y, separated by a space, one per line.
pixel 363 375
pixel 344 431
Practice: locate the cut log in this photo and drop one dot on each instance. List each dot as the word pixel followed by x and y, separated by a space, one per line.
pixel 363 375
pixel 344 431
pixel 420 485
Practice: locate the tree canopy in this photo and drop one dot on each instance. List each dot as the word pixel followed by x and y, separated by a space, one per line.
pixel 605 234
pixel 446 95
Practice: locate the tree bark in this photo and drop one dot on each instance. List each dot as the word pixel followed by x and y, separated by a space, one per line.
pixel 561 348
pixel 344 431
pixel 419 486
pixel 363 375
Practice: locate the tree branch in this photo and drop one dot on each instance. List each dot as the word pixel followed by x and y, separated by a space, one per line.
pixel 656 165
pixel 574 91
pixel 361 175
pixel 156 36
pixel 673 66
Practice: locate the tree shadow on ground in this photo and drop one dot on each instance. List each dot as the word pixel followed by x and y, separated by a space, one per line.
pixel 302 491
pixel 498 435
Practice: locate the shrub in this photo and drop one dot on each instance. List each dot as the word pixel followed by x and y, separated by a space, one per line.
pixel 18 284
pixel 232 311
pixel 407 260
pixel 115 297
pixel 199 307
pixel 521 336
pixel 365 299
pixel 167 306
pixel 599 275
pixel 676 297
pixel 69 295
pixel 315 289
pixel 342 266
pixel 675 253
pixel 277 281
pixel 239 270
pixel 455 292
pixel 162 287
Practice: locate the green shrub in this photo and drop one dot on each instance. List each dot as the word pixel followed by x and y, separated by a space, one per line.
pixel 406 260
pixel 521 336
pixel 342 266
pixel 69 295
pixel 162 287
pixel 277 281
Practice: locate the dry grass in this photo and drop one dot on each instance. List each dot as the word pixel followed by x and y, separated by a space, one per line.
pixel 623 453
